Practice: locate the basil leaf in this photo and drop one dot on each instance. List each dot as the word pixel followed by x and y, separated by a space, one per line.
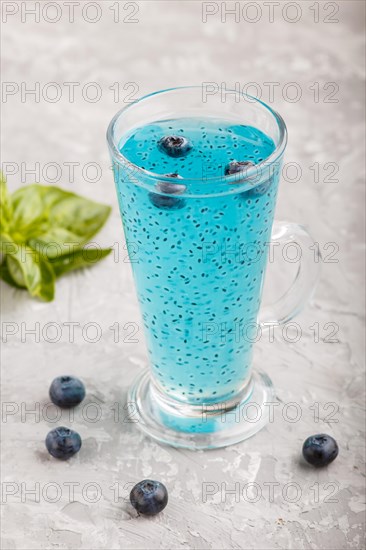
pixel 7 245
pixel 39 277
pixel 56 242
pixel 45 229
pixel 38 208
pixel 15 272
pixel 79 215
pixel 28 213
pixel 44 195
pixel 52 195
pixel 5 275
pixel 29 269
pixel 77 260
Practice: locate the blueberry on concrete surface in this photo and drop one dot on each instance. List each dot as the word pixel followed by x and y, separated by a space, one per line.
pixel 149 497
pixel 320 450
pixel 67 391
pixel 63 443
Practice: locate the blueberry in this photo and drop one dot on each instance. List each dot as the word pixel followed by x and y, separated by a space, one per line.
pixel 165 202
pixel 67 391
pixel 63 443
pixel 236 167
pixel 175 146
pixel 320 449
pixel 149 497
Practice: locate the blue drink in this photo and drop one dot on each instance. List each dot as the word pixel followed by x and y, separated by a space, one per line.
pixel 196 176
pixel 201 260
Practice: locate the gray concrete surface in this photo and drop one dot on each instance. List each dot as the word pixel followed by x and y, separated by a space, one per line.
pixel 170 45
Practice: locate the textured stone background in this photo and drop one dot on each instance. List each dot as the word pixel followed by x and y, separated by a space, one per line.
pixel 168 46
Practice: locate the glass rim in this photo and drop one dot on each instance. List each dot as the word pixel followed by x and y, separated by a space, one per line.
pixel 231 178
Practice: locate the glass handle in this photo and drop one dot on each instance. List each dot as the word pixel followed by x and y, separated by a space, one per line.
pixel 300 291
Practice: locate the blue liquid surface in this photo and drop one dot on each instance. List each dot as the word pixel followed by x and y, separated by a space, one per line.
pixel 198 262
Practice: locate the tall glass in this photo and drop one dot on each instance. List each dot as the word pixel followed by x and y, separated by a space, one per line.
pixel 199 268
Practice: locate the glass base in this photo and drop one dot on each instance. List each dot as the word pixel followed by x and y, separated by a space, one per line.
pixel 204 426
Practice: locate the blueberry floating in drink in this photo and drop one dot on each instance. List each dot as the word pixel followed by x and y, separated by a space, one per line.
pixel 168 202
pixel 63 443
pixel 236 167
pixel 175 146
pixel 320 450
pixel 67 391
pixel 149 497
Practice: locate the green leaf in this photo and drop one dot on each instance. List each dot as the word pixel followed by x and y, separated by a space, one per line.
pixel 5 204
pixel 77 260
pixel 7 245
pixel 79 215
pixel 37 208
pixel 15 272
pixel 43 236
pixel 5 275
pixel 56 242
pixel 28 213
pixel 29 269
pixel 38 277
